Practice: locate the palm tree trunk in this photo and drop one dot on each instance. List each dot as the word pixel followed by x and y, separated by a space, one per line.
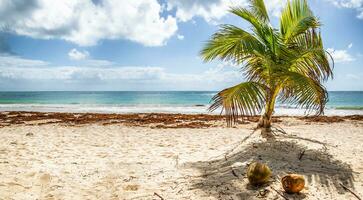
pixel 265 125
pixel 266 119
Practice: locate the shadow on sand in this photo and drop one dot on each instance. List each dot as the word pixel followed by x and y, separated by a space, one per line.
pixel 319 168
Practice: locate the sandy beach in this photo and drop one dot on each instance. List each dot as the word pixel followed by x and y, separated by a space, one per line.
pixel 166 156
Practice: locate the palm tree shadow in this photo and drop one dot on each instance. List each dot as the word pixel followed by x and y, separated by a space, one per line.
pixel 225 178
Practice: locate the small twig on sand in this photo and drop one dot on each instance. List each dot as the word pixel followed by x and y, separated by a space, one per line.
pixel 279 193
pixel 234 173
pixel 158 196
pixel 347 189
pixel 301 154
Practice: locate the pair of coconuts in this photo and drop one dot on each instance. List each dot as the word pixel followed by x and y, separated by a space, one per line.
pixel 258 174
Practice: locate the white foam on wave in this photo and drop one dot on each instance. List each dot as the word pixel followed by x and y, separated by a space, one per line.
pixel 96 108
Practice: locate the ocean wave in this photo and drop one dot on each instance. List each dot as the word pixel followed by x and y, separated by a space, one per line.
pixel 209 94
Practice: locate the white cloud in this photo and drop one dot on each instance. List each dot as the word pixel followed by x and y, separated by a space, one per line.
pixel 74 54
pixel 85 23
pixel 180 37
pixel 9 61
pixel 353 4
pixel 275 7
pixel 208 9
pixel 350 45
pixel 73 73
pixel 340 56
pixel 23 73
pixel 212 10
pixel 83 58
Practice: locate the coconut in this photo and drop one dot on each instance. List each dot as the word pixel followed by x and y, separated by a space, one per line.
pixel 293 183
pixel 258 173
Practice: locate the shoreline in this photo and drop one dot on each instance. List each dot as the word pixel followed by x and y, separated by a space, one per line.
pixel 153 120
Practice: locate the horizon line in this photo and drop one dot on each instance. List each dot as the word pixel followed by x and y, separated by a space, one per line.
pixel 142 90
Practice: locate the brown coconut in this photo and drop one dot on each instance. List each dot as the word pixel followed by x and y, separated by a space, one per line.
pixel 258 173
pixel 293 183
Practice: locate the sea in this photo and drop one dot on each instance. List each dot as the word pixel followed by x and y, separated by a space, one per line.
pixel 187 102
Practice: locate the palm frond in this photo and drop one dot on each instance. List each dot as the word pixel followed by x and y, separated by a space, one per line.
pixel 247 15
pixel 310 58
pixel 296 18
pixel 243 99
pixel 304 92
pixel 259 9
pixel 262 31
pixel 231 43
pixel 256 69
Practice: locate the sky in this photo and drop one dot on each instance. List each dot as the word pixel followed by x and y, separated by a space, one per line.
pixel 143 45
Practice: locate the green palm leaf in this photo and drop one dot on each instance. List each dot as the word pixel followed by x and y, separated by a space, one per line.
pixel 259 9
pixel 231 43
pixel 243 99
pixel 296 18
pixel 304 92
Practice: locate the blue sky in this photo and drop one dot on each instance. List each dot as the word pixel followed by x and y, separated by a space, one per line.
pixel 147 44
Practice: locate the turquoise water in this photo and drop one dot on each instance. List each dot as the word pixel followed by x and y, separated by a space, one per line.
pixel 187 101
pixel 346 100
pixel 116 98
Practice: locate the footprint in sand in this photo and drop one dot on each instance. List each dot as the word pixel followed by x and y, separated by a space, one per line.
pixel 45 178
pixel 45 189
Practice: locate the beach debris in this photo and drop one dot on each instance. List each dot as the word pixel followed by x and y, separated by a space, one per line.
pixel 29 134
pixel 158 195
pixel 279 193
pixel 293 183
pixel 129 178
pixel 237 165
pixel 262 193
pixel 131 187
pixel 349 190
pixel 258 173
pixel 301 154
pixel 234 173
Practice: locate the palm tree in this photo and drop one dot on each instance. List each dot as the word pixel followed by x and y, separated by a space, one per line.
pixel 289 63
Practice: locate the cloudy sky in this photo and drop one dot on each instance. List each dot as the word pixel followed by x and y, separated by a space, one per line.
pixel 147 44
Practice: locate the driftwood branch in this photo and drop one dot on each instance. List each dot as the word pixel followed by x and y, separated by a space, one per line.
pixel 347 189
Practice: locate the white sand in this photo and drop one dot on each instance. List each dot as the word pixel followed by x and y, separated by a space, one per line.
pixel 119 162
